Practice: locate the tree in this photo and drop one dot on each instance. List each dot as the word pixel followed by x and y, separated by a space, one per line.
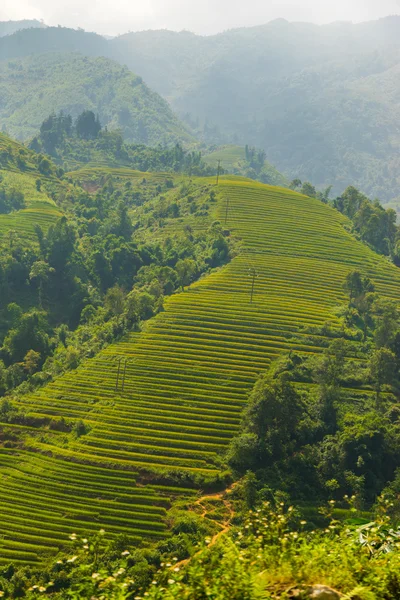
pixel 387 315
pixel 324 195
pixel 185 268
pixel 139 305
pixel 328 369
pixel 382 369
pixel 357 286
pixel 31 361
pixel 30 333
pixel 63 334
pixel 352 200
pixel 40 271
pixel 3 379
pixel 87 125
pixel 115 301
pixel 296 184
pixel 308 190
pixel 271 424
pixel 123 225
pixel 44 165
pixel 60 242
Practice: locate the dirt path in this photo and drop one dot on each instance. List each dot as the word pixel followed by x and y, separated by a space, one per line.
pixel 224 527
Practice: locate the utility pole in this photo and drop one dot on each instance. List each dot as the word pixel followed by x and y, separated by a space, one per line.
pixel 118 372
pixel 252 285
pixel 227 208
pixel 123 376
pixel 218 170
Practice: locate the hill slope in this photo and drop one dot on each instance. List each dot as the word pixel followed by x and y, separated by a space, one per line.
pixel 73 83
pixel 321 100
pixel 176 402
pixel 39 208
pixel 233 160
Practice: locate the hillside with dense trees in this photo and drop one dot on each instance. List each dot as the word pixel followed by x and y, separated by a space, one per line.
pixel 73 143
pixel 35 87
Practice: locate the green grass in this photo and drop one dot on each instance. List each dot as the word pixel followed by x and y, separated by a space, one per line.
pixel 188 374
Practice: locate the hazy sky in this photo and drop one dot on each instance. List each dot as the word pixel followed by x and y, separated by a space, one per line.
pixel 201 16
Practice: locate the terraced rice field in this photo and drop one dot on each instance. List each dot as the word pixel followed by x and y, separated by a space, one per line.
pixel 99 171
pixel 187 378
pixel 40 209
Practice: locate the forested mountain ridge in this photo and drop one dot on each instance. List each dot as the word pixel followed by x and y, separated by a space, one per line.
pixel 10 27
pixel 320 100
pixel 40 84
pixel 26 42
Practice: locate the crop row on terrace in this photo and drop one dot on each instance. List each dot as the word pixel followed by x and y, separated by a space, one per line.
pixel 188 372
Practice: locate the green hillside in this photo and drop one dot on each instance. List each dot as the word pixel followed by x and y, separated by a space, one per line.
pixel 83 141
pixel 36 86
pixel 19 171
pixel 176 402
pixel 233 160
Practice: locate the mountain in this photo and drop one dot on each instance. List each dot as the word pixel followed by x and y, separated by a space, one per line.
pixel 40 84
pixel 322 101
pixel 52 39
pixel 10 27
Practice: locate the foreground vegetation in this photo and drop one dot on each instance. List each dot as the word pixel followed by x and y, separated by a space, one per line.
pixel 272 551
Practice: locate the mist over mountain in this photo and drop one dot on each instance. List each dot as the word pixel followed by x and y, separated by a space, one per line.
pixel 322 101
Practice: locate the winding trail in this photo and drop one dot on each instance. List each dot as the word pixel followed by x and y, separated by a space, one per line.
pixel 224 527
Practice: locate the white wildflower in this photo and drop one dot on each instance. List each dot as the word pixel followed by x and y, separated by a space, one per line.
pixel 72 560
